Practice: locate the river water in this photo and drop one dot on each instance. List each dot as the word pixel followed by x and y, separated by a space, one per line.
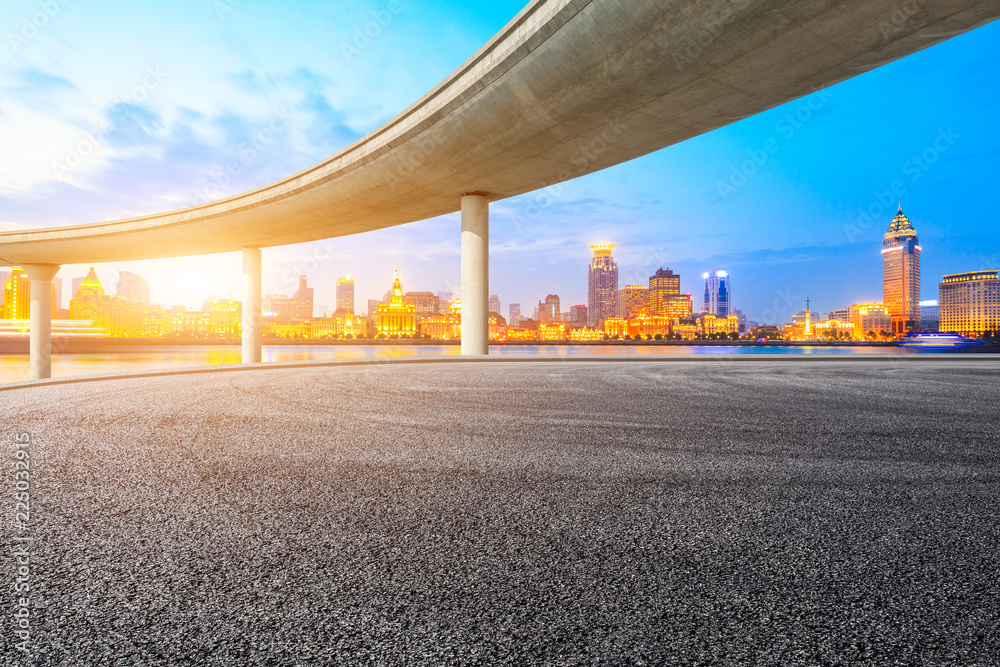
pixel 14 367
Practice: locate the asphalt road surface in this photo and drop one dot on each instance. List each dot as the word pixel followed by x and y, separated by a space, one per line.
pixel 711 512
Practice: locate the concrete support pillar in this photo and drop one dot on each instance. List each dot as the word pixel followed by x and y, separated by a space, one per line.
pixel 40 312
pixel 251 305
pixel 475 273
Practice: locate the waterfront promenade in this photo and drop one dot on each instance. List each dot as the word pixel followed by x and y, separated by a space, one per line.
pixel 657 511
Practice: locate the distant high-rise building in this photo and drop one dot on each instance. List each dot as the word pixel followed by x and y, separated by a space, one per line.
pixel 76 287
pixel 57 300
pixel 665 298
pixel 602 285
pixel 633 300
pixel 718 295
pixel 4 277
pixel 283 308
pixel 17 295
pixel 662 285
pixel 426 303
pixel 304 296
pixel 901 274
pixel 741 321
pixel 969 303
pixel 515 314
pixel 133 287
pixel 494 304
pixel 578 314
pixel 548 311
pixel 930 315
pixel 345 295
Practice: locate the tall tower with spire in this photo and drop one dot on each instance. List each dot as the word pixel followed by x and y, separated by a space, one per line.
pixel 901 274
pixel 602 285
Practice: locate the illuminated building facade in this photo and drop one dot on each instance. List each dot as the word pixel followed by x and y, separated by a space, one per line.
pixel 869 320
pixel 969 303
pixel 687 330
pixel 677 307
pixel 713 324
pixel 345 295
pixel 225 317
pixel 663 285
pixel 17 295
pixel 447 326
pixel 118 316
pixel 650 326
pixel 834 330
pixel 665 298
pixel 344 325
pixel 602 285
pixel 718 295
pixel 901 274
pixel 494 304
pixel 587 334
pixel 632 300
pixel 521 334
pixel 616 327
pixel 554 331
pixel 496 326
pixel 397 319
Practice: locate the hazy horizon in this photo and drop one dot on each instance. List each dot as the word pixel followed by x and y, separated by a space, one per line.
pixel 776 199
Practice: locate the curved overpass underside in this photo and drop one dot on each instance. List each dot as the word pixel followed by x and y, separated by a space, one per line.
pixel 567 88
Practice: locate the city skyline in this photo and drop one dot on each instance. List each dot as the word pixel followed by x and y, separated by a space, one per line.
pixel 796 190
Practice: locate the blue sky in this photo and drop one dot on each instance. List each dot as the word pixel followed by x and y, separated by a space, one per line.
pixel 109 110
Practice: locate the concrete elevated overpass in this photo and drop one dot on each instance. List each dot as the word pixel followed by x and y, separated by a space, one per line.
pixel 568 87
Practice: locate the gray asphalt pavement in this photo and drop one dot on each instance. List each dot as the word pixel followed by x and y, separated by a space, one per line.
pixel 514 513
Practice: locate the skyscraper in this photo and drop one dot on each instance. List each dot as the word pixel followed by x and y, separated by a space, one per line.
pixel 602 285
pixel 632 300
pixel 515 314
pixel 665 298
pixel 345 295
pixel 17 295
pixel 133 287
pixel 662 285
pixel 304 298
pixel 718 297
pixel 494 304
pixel 549 310
pixel 901 274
